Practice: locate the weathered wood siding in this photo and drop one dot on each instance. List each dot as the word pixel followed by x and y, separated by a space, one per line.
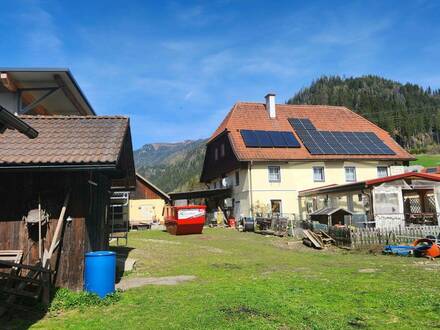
pixel 19 192
pixel 215 168
pixel 144 192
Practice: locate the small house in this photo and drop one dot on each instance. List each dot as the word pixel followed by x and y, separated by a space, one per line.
pixel 146 203
pixel 66 173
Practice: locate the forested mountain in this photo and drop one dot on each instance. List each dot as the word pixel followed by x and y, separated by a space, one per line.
pixel 409 112
pixel 172 166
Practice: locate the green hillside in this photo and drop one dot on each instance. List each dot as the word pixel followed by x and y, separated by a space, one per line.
pixel 172 166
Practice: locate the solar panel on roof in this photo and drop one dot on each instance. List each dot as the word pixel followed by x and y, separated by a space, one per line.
pixel 264 139
pixel 301 124
pixel 278 139
pixel 269 139
pixel 338 143
pixel 290 139
pixel 249 138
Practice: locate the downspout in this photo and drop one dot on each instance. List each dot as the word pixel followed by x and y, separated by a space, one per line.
pixel 251 205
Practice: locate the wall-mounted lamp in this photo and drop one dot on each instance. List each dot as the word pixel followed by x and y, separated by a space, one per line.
pixel 69 219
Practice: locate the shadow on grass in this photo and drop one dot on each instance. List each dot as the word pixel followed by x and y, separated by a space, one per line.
pixel 22 313
pixel 122 253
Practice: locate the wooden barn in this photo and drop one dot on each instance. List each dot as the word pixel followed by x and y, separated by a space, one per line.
pixel 74 162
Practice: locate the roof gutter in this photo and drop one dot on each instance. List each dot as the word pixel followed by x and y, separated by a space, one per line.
pixel 9 120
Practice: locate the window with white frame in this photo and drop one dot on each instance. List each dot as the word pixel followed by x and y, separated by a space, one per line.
pixel 274 174
pixel 318 174
pixel 350 173
pixel 237 178
pixel 382 171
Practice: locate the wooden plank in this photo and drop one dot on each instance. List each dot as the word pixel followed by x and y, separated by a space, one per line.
pixel 309 234
pixel 23 266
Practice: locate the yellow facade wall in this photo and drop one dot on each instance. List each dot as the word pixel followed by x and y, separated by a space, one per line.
pixel 146 210
pixel 255 190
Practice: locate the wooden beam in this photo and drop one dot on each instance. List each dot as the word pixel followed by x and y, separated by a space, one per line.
pixel 60 82
pixel 7 82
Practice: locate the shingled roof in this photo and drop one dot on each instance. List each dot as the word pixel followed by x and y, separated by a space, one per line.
pixel 66 140
pixel 254 116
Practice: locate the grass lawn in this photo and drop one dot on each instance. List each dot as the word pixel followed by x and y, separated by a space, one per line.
pixel 248 281
pixel 427 160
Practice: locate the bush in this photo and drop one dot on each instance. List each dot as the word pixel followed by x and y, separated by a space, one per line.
pixel 64 299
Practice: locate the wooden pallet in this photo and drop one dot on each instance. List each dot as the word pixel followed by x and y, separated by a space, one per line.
pixel 318 240
pixel 313 240
pixel 34 283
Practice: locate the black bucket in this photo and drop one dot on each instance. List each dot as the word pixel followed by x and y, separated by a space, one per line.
pixel 248 224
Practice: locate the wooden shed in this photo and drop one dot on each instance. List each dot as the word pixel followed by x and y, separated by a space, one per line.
pixel 330 216
pixel 146 203
pixel 73 162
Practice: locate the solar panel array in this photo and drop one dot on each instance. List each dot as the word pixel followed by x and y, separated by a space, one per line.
pixel 338 143
pixel 269 139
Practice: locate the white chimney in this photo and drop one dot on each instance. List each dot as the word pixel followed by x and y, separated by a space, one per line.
pixel 270 105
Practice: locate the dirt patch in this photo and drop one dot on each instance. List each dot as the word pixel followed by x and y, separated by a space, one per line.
pixel 243 311
pixel 160 241
pixel 226 266
pixel 136 282
pixel 212 249
pixel 205 238
pixel 368 270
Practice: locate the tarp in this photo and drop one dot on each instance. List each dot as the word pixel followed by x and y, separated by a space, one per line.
pixel 388 207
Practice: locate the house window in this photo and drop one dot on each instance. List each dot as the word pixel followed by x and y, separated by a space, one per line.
pixel 215 185
pixel 274 174
pixel 216 153
pixel 350 174
pixel 222 150
pixel 275 205
pixel 382 171
pixel 237 178
pixel 318 174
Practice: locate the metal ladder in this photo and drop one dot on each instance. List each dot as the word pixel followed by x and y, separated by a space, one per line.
pixel 118 216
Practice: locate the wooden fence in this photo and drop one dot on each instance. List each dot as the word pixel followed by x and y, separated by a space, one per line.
pixel 358 237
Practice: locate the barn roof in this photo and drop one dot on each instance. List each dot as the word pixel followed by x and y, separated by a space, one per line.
pixel 66 141
pixel 153 187
pixel 254 116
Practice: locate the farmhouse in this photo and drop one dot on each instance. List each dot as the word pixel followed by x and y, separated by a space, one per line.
pixel 267 153
pixel 73 162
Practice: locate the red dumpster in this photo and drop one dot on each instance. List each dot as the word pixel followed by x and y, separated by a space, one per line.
pixel 185 220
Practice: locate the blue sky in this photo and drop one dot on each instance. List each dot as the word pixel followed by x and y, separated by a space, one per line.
pixel 176 68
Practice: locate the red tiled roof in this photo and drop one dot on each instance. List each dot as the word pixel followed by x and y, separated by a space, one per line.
pixel 65 140
pixel 254 116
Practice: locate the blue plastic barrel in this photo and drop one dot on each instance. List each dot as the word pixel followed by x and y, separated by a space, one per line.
pixel 100 272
